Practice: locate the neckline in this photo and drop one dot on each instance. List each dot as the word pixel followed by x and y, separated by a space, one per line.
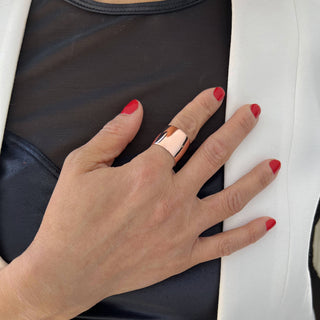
pixel 134 8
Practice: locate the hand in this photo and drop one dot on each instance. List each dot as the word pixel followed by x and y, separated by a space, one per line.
pixel 109 230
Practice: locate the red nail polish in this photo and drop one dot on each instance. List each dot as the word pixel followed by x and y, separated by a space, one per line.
pixel 270 224
pixel 256 110
pixel 219 93
pixel 131 107
pixel 275 165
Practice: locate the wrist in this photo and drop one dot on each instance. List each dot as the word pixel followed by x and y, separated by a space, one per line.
pixel 22 296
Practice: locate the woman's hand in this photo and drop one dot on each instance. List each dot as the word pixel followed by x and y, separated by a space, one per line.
pixel 109 230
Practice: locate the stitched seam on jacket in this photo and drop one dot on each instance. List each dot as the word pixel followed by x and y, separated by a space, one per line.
pixel 285 288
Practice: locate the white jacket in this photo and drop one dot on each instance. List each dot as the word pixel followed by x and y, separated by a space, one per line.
pixel 274 61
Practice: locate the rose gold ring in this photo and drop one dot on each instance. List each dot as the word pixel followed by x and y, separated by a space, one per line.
pixel 174 140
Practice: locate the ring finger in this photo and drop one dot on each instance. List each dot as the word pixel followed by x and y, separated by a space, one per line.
pixel 222 205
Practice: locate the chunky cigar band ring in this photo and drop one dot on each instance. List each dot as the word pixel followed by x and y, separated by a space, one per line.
pixel 174 140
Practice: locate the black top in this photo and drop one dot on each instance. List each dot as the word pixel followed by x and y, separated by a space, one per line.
pixel 77 70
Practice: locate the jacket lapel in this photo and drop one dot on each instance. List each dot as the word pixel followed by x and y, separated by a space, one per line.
pixel 13 17
pixel 275 62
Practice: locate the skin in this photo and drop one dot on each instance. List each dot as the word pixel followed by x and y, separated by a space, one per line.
pixel 109 230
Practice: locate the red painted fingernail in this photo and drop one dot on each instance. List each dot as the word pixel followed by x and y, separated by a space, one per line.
pixel 219 93
pixel 256 110
pixel 275 165
pixel 131 107
pixel 270 224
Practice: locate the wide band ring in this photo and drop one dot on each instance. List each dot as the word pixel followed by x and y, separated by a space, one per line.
pixel 174 140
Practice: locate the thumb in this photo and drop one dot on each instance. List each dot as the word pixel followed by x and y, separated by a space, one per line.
pixel 114 137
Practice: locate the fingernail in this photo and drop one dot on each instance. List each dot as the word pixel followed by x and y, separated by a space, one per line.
pixel 256 110
pixel 270 224
pixel 131 107
pixel 275 165
pixel 219 93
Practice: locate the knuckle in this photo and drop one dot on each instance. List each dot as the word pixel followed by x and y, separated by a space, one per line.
pixel 159 160
pixel 225 247
pixel 148 169
pixel 246 122
pixel 161 214
pixel 113 127
pixel 215 152
pixel 252 235
pixel 178 265
pixel 145 175
pixel 188 123
pixel 206 102
pixel 233 201
pixel 264 180
pixel 73 158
